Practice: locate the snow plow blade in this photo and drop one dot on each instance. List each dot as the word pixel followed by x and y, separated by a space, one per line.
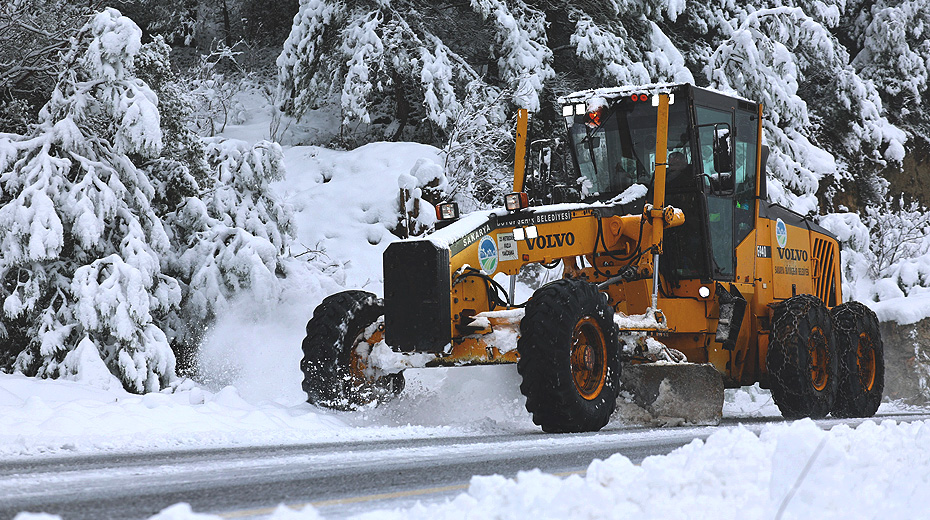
pixel 674 393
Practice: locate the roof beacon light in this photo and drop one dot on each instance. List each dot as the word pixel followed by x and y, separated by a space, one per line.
pixel 593 117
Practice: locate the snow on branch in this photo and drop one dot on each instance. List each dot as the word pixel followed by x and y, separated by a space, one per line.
pixel 364 47
pixel 605 47
pixel 523 54
pixel 773 55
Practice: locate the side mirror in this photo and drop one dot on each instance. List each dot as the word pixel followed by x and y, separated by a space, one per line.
pixel 545 169
pixel 723 156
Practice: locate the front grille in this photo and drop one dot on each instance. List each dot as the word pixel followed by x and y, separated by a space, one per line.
pixel 416 296
pixel 825 271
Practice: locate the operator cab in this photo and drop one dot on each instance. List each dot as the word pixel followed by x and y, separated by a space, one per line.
pixel 711 174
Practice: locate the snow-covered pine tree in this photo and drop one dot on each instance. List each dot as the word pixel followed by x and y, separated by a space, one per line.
pixel 121 228
pixel 824 119
pixel 181 168
pixel 228 232
pixel 232 237
pixel 393 76
pixel 622 42
pixel 370 59
pixel 778 55
pixel 81 244
pixel 890 42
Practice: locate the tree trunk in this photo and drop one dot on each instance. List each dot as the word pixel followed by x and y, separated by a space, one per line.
pixel 401 109
pixel 227 29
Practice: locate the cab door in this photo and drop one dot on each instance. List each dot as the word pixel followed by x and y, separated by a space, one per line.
pixel 714 124
pixel 729 186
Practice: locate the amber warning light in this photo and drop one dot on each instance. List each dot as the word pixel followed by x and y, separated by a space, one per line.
pixel 593 117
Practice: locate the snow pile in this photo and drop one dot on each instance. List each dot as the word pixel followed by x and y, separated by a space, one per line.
pixel 56 417
pixel 751 402
pixel 886 260
pixel 344 204
pixel 791 471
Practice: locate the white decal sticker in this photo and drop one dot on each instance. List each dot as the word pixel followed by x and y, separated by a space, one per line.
pixel 506 247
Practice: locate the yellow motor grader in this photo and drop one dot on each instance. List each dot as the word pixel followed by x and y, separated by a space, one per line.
pixel 673 264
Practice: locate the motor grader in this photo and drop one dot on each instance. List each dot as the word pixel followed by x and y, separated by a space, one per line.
pixel 672 262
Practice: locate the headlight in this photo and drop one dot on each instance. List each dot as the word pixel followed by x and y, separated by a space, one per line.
pixel 516 201
pixel 447 211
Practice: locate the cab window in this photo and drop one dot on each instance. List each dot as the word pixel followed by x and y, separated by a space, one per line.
pixel 746 147
pixel 720 205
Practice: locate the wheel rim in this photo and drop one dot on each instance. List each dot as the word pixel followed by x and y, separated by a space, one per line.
pixel 589 358
pixel 865 361
pixel 357 364
pixel 817 348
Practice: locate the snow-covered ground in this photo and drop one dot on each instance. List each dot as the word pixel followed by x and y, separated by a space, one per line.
pixel 878 468
pixel 247 392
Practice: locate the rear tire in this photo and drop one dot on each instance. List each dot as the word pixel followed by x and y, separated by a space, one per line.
pixel 331 364
pixel 862 361
pixel 802 358
pixel 569 357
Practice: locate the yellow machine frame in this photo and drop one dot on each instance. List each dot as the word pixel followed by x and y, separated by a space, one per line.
pixel 804 262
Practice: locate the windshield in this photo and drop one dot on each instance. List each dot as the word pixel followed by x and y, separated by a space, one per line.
pixel 621 151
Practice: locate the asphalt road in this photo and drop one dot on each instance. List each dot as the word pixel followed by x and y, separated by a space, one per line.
pixel 338 479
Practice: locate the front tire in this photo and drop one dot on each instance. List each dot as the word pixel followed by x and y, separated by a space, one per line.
pixel 569 357
pixel 332 365
pixel 802 358
pixel 862 361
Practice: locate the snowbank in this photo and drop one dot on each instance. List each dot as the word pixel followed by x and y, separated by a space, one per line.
pixel 789 471
pixel 55 417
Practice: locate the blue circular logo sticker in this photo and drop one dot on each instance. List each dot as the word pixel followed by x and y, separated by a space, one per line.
pixel 781 233
pixel 487 254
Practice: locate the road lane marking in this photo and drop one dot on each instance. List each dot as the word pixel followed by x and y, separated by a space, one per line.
pixel 246 513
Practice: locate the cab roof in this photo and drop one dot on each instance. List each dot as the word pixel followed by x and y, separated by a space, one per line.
pixel 610 94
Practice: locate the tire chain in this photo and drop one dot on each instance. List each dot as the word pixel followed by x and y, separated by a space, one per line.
pixel 789 370
pixel 849 320
pixel 325 364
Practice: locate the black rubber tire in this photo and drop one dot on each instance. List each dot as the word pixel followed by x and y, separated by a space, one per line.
pixel 548 331
pixel 799 322
pixel 332 335
pixel 858 394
